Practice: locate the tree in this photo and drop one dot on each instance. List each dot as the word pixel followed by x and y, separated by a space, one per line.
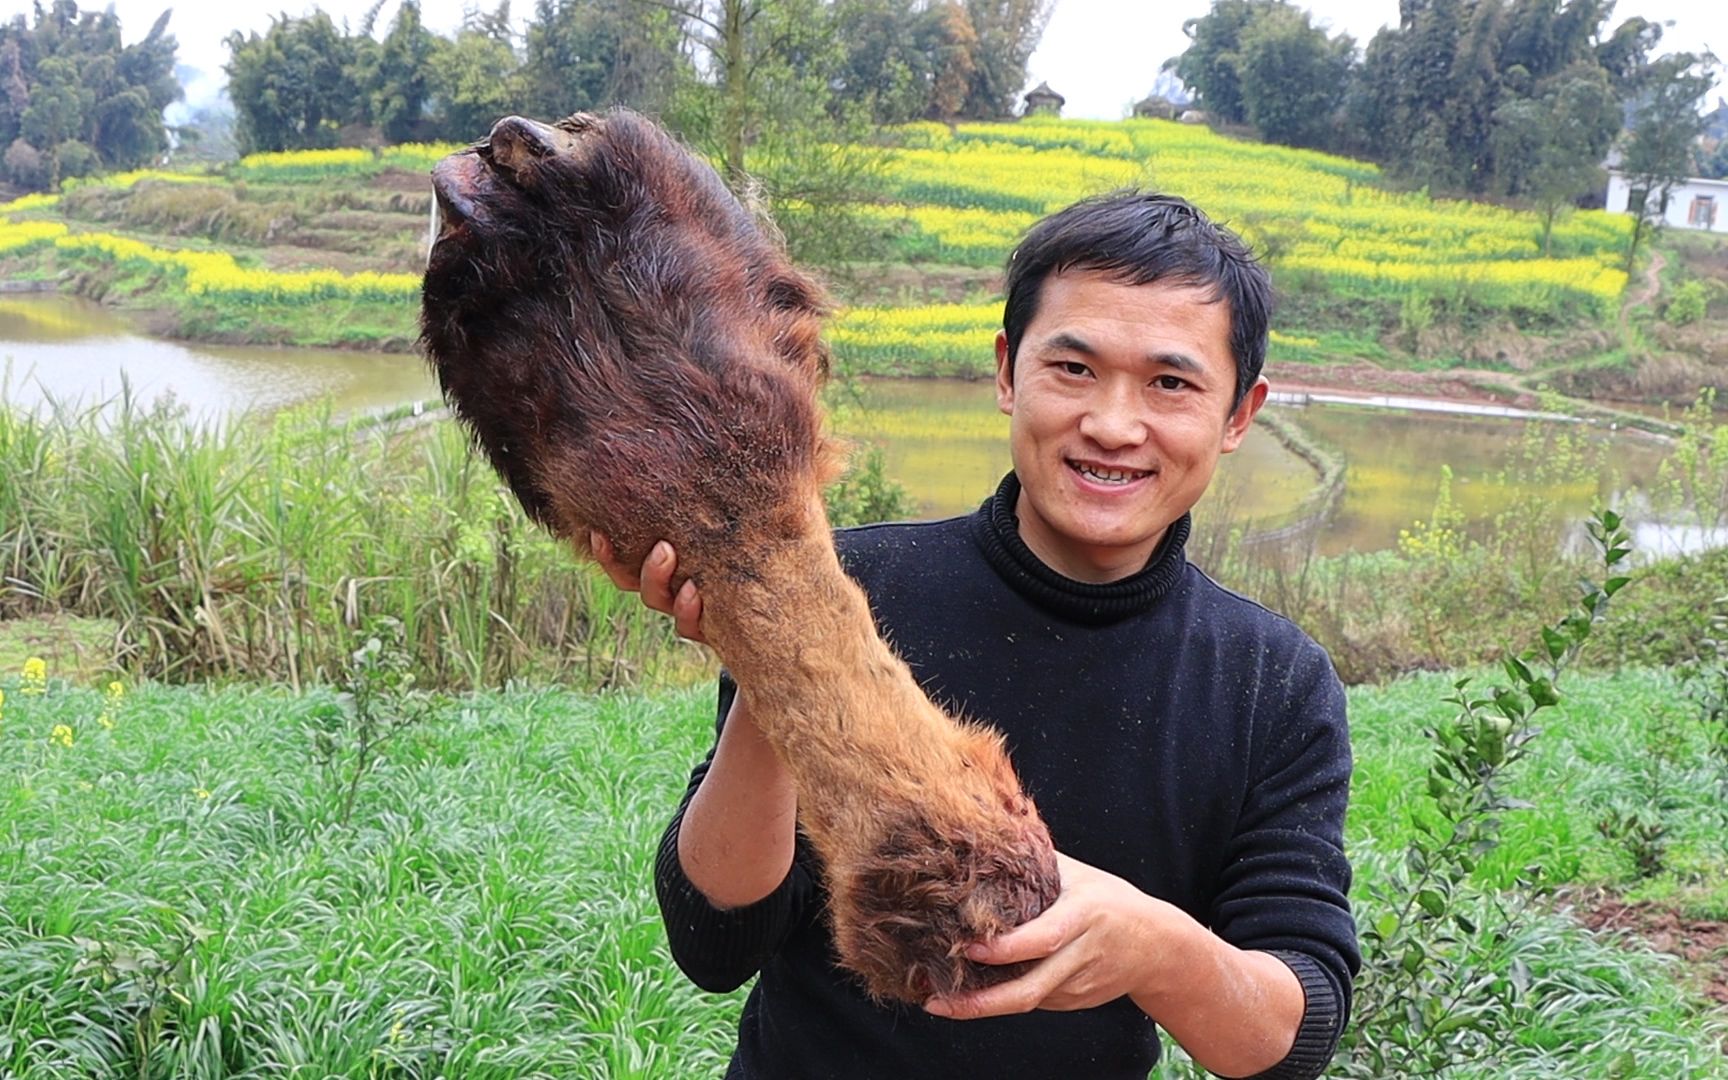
pixel 1291 76
pixel 57 104
pixel 889 57
pixel 1264 62
pixel 1505 96
pixel 1658 152
pixel 1549 148
pixel 1211 63
pixel 399 94
pixel 1625 54
pixel 1008 32
pixel 14 88
pixel 25 165
pixel 766 111
pixel 1714 164
pixel 1372 109
pixel 474 80
pixel 586 54
pixel 129 127
pixel 293 86
pixel 954 47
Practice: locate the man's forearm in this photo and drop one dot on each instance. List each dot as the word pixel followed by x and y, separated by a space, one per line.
pixel 1235 1011
pixel 736 840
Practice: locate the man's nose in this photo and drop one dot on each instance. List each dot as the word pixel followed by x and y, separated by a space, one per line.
pixel 1115 418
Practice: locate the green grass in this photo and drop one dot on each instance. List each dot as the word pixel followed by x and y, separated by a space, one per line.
pixel 488 911
pixel 257 548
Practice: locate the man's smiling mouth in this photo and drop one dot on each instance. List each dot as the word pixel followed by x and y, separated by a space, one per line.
pixel 1104 474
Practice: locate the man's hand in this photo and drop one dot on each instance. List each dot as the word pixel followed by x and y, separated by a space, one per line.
pixel 1235 1011
pixel 653 581
pixel 1101 939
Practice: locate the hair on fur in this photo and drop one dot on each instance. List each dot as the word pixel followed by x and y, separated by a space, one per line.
pixel 635 354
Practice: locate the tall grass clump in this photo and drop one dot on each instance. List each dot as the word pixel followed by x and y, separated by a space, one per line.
pixel 255 547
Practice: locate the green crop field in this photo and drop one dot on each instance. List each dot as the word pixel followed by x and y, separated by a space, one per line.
pixel 181 896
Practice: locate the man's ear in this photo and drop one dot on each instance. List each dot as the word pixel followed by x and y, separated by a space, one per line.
pixel 1004 375
pixel 1237 426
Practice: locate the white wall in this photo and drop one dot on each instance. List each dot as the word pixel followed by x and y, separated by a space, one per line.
pixel 1680 200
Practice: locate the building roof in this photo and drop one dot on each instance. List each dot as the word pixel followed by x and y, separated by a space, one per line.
pixel 1042 92
pixel 1690 181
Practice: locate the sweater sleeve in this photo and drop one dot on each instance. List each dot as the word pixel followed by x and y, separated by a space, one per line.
pixel 719 949
pixel 1284 885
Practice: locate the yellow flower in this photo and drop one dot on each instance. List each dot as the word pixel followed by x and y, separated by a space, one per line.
pixel 61 734
pixel 35 679
pixel 202 793
pixel 111 704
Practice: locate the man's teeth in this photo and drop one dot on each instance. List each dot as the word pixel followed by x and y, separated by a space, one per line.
pixel 1108 476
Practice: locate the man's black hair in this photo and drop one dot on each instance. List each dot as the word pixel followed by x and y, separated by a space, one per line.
pixel 1139 237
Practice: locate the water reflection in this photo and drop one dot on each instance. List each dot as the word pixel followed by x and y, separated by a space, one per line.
pixel 947 443
pixel 944 440
pixel 1394 462
pixel 71 350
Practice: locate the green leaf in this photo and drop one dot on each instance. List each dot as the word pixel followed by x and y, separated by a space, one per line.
pixel 1431 902
pixel 1615 584
pixel 1412 959
pixel 1555 642
pixel 1512 704
pixel 1454 1022
pixel 1542 692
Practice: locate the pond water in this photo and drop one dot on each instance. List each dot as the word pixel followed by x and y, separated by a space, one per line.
pixel 948 444
pixel 944 440
pixel 70 350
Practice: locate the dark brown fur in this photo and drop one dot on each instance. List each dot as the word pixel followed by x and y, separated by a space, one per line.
pixel 636 355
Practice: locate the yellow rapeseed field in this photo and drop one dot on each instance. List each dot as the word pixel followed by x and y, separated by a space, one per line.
pixel 963 195
pixel 211 273
pixel 966 194
pixel 956 338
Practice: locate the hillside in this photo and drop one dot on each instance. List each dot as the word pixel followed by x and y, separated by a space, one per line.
pixel 325 247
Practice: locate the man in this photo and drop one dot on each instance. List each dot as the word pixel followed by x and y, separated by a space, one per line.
pixel 1187 748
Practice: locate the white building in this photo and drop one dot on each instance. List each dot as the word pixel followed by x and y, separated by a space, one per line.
pixel 1695 203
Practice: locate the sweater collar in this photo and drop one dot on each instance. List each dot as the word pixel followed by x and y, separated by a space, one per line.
pixel 997 529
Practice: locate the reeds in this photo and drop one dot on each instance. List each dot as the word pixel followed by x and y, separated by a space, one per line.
pixel 254 547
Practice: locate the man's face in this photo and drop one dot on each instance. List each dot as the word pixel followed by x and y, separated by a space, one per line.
pixel 1120 405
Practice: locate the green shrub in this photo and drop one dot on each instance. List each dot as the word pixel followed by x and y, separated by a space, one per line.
pixel 1688 303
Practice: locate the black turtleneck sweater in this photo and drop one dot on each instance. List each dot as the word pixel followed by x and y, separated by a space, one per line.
pixel 1171 732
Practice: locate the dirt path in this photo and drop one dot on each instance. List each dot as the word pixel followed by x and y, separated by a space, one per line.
pixel 1459 384
pixel 1652 286
pixel 1701 944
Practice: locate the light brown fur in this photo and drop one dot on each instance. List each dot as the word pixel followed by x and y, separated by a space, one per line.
pixel 638 357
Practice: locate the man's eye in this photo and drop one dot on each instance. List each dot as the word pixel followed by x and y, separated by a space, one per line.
pixel 1169 382
pixel 1073 367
